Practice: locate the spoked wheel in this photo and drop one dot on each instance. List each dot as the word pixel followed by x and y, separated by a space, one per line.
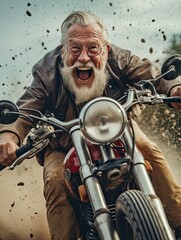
pixel 137 218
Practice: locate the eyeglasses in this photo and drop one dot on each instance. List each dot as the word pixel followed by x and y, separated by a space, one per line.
pixel 92 49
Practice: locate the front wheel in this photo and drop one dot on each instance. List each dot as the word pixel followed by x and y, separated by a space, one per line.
pixel 137 218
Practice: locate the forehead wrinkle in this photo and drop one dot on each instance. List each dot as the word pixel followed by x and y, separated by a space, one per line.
pixel 79 32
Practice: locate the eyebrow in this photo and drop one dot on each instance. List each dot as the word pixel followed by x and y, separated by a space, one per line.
pixel 79 43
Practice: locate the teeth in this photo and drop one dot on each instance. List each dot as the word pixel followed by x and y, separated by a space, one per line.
pixel 83 81
pixel 84 68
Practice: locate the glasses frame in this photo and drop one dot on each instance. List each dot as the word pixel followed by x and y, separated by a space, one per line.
pixel 86 48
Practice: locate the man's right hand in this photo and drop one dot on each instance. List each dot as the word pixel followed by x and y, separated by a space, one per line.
pixel 8 148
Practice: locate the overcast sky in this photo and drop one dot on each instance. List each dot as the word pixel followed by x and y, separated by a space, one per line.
pixel 29 29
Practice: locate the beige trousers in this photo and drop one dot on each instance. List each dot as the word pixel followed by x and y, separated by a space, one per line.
pixel 60 215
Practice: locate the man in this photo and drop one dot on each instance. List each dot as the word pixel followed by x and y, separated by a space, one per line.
pixel 83 67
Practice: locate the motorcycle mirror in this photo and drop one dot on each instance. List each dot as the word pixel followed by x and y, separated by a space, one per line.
pixel 8 112
pixel 172 67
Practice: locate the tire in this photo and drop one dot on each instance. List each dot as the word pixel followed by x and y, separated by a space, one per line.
pixel 137 218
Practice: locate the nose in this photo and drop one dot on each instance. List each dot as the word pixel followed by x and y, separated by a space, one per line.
pixel 84 57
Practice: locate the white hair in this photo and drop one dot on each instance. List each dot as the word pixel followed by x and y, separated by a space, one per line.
pixel 83 19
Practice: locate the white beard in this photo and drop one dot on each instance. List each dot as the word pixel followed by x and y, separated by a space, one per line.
pixel 84 93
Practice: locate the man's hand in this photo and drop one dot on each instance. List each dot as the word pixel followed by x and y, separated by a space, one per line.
pixel 176 91
pixel 7 149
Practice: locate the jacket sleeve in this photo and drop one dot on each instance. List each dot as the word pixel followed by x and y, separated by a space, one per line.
pixel 142 69
pixel 35 97
pixel 130 68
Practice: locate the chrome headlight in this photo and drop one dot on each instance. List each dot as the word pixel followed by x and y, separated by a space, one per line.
pixel 102 120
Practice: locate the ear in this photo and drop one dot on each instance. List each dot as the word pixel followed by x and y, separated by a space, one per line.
pixel 63 52
pixel 108 47
pixel 62 49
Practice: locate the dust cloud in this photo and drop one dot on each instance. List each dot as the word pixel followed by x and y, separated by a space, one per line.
pixel 162 125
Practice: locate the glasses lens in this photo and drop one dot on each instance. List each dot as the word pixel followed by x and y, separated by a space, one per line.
pixel 74 49
pixel 94 49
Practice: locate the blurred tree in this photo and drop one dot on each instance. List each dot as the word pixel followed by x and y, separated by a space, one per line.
pixel 175 45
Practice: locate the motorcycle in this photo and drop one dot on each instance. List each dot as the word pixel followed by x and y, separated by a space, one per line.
pixel 108 179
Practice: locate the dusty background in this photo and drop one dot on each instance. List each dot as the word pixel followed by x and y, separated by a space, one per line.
pixel 163 125
pixel 31 28
pixel 22 206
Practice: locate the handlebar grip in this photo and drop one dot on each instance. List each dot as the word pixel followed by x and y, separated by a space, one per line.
pixel 20 151
pixel 2 167
pixel 172 100
pixel 23 149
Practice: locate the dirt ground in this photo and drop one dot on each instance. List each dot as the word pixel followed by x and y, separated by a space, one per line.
pixel 22 205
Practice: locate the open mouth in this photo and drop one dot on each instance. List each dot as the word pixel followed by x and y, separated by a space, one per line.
pixel 84 73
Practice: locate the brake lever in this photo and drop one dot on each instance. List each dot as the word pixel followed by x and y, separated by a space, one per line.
pixel 29 154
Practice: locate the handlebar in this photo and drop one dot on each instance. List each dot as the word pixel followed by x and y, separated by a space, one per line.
pixel 133 97
pixel 23 149
pixel 2 167
pixel 172 99
pixel 19 152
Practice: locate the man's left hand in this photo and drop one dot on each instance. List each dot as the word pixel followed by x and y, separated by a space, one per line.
pixel 176 91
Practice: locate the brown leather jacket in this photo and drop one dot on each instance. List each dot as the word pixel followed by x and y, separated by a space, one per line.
pixel 47 91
